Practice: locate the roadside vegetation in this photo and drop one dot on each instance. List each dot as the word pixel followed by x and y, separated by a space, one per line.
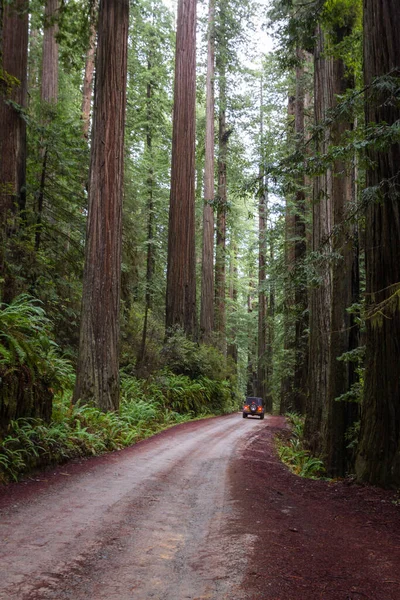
pixel 181 389
pixel 293 452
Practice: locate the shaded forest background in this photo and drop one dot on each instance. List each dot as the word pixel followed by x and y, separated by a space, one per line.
pixel 199 224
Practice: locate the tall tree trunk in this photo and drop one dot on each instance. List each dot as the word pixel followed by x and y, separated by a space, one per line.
pixel 321 296
pixel 89 69
pixel 12 132
pixel 98 363
pixel 49 87
pixel 262 270
pixel 379 451
pixel 220 256
pixel 48 95
pixel 207 265
pixel 338 414
pixel 288 335
pixel 251 344
pixel 262 383
pixel 181 270
pixel 150 260
pixel 301 297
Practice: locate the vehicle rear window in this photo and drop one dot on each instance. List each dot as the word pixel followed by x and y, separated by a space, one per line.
pixel 251 400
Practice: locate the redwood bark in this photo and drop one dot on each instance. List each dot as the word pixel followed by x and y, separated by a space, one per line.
pixel 300 380
pixel 339 415
pixel 321 295
pixel 89 69
pixel 150 259
pixel 207 265
pixel 288 335
pixel 98 364
pixel 49 95
pixel 181 270
pixel 12 131
pixel 220 255
pixel 379 451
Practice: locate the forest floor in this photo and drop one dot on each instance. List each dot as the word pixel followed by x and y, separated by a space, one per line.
pixel 202 511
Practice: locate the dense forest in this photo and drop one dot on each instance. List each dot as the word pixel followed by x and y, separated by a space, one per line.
pixel 187 219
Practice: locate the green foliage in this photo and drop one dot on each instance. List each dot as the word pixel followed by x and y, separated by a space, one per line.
pixel 294 23
pixel 74 431
pixel 185 357
pixel 352 435
pixel 292 452
pixel 26 342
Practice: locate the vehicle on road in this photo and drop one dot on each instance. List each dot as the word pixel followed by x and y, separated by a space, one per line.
pixel 253 406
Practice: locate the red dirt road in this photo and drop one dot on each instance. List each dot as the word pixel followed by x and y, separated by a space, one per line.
pixel 201 511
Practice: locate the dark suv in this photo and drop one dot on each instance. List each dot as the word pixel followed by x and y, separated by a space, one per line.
pixel 253 406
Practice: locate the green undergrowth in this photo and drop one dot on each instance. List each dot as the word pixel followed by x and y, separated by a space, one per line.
pixel 293 453
pixel 147 406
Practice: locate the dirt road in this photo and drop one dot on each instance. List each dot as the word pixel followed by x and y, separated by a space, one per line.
pixel 152 521
pixel 202 511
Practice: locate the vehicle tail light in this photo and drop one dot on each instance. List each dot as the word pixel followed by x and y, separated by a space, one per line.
pixel 246 407
pixel 259 408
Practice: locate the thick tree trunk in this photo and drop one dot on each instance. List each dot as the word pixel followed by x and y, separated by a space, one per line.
pixel 98 364
pixel 150 259
pixel 220 256
pixel 337 419
pixel 288 335
pixel 181 270
pixel 89 69
pixel 379 451
pixel 300 381
pixel 207 265
pixel 12 132
pixel 321 296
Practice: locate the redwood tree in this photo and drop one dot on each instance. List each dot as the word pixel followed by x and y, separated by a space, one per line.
pixel 339 415
pixel 13 76
pixel 220 254
pixel 321 294
pixel 379 451
pixel 98 364
pixel 288 333
pixel 207 265
pixel 48 95
pixel 301 295
pixel 181 270
pixel 262 272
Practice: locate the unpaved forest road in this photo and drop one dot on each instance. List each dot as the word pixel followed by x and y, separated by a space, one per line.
pixel 204 510
pixel 147 522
